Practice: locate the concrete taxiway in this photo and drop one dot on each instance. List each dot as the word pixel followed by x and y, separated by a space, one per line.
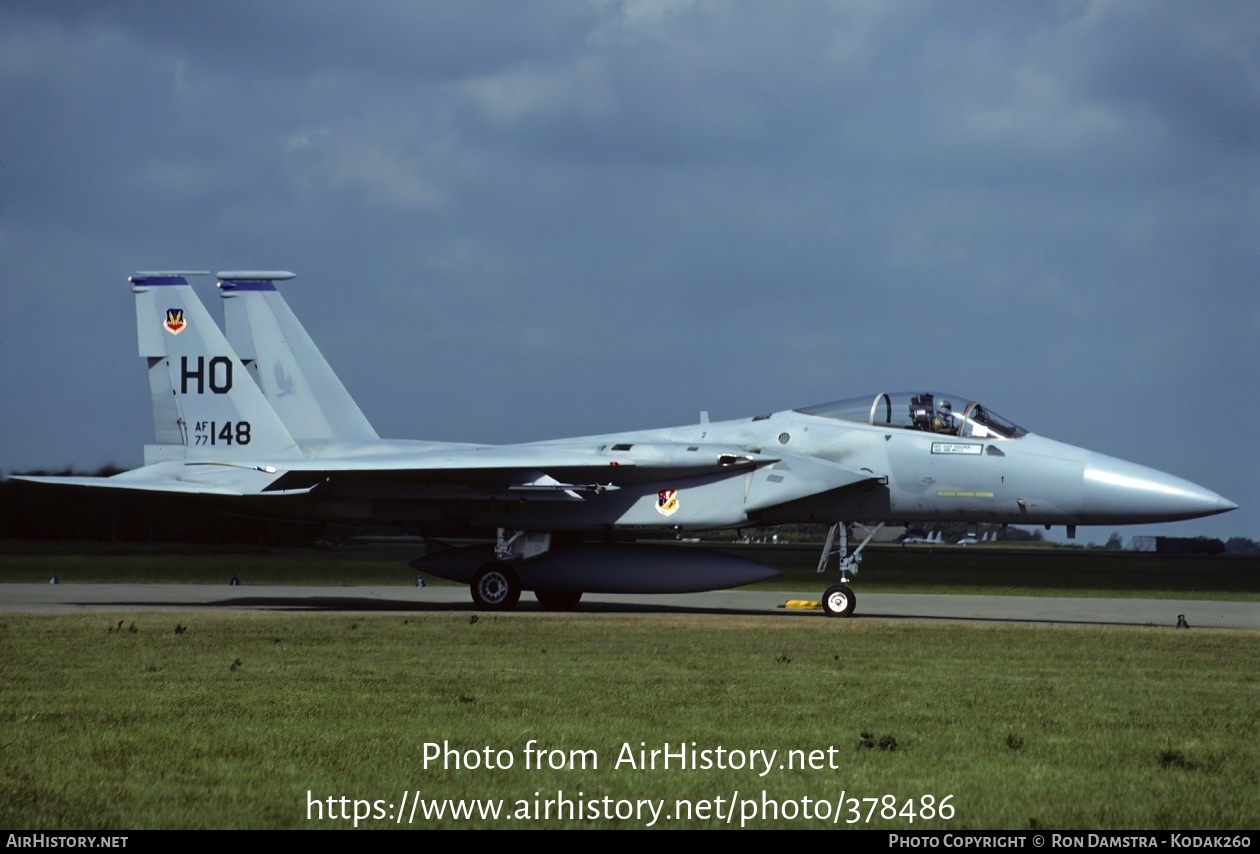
pixel 74 598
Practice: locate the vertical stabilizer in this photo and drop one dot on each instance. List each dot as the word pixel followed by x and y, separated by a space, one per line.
pixel 168 425
pixel 293 375
pixel 215 409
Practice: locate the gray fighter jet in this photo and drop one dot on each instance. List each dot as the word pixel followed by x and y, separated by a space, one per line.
pixel 259 419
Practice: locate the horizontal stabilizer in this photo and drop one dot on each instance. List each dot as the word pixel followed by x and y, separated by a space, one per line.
pixel 177 477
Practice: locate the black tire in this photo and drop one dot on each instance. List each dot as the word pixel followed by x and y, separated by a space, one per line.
pixel 495 587
pixel 558 600
pixel 839 601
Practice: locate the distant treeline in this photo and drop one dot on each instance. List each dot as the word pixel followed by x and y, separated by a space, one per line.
pixel 1189 546
pixel 52 512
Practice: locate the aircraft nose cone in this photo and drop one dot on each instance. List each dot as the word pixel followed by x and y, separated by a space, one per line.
pixel 1127 492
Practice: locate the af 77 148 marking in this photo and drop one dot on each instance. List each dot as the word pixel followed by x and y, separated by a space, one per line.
pixel 210 433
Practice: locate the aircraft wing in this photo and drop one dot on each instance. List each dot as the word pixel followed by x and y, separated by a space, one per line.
pixel 219 430
pixel 192 479
pixel 520 472
pixel 524 468
pixel 526 471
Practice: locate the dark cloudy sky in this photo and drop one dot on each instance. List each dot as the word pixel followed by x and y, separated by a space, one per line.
pixel 523 220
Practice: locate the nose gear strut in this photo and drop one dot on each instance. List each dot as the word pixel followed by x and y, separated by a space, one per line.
pixel 839 600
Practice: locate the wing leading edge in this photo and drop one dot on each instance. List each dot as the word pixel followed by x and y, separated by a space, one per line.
pixel 278 422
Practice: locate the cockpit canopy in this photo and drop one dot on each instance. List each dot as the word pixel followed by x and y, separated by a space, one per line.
pixel 929 411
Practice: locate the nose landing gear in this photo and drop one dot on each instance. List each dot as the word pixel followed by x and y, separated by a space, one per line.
pixel 839 600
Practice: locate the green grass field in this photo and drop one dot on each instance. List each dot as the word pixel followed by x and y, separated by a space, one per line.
pixel 198 720
pixel 164 720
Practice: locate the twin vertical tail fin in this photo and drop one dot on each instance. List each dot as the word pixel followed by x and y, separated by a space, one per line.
pixel 206 407
pixel 293 375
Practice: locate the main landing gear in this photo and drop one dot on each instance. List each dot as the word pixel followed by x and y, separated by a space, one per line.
pixel 497 587
pixel 839 600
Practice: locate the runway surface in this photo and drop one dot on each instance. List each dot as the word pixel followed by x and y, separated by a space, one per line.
pixel 79 598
